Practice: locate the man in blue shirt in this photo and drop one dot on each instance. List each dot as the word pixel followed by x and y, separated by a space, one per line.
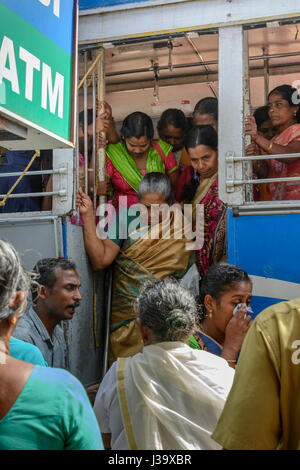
pixel 54 300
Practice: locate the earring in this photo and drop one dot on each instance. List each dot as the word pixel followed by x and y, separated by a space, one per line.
pixel 210 314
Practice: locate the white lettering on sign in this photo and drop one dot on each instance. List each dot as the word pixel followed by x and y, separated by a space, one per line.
pixel 32 63
pixel 54 95
pixel 56 6
pixel 10 73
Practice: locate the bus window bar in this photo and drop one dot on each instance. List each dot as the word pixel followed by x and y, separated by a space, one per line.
pixel 197 64
pixel 59 171
pixel 231 159
pixel 231 182
pixel 261 181
pixel 270 207
pixel 61 193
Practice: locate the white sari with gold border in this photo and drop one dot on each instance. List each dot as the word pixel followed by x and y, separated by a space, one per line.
pixel 171 396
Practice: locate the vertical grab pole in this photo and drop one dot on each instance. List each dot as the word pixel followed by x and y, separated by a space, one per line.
pixel 247 166
pixel 86 156
pixel 94 159
pixel 102 200
pixel 101 95
pixel 266 74
pixel 76 128
pixel 94 142
pixel 76 166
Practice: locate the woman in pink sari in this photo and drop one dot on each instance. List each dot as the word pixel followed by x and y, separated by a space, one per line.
pixel 134 156
pixel 198 184
pixel 285 116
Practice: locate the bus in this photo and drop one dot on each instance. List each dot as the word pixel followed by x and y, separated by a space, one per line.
pixel 152 55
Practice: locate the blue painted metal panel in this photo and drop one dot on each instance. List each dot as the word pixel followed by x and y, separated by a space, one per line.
pixel 258 304
pixel 89 4
pixel 266 246
pixel 58 29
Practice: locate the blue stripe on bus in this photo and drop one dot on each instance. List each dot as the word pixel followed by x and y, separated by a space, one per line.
pixel 90 4
pixel 265 245
pixel 258 304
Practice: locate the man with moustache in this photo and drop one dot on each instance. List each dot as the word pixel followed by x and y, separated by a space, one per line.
pixel 54 299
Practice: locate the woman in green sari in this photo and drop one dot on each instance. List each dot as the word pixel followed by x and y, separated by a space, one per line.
pixel 133 157
pixel 147 243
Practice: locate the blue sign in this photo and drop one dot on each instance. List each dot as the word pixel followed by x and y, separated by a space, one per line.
pixel 53 18
pixel 90 4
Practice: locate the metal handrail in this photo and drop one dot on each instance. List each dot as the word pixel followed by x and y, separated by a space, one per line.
pixel 233 182
pixel 58 171
pixel 261 181
pixel 61 192
pixel 261 157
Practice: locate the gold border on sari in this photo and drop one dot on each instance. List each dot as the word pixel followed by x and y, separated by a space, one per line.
pixel 124 405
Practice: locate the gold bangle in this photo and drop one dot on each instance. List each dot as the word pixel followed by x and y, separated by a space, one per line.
pixel 270 147
pixel 233 361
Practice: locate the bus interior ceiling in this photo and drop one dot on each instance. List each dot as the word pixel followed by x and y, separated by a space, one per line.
pixel 176 71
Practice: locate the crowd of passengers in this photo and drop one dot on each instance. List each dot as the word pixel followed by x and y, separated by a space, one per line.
pixel 172 382
pixel 206 377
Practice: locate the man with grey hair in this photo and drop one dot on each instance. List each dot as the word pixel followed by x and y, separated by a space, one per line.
pixel 54 300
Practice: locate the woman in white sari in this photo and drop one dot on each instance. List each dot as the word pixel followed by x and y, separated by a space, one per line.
pixel 169 396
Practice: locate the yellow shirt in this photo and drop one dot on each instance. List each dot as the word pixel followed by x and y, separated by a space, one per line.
pixel 263 408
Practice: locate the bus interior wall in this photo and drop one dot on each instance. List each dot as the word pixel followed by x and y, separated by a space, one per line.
pixel 187 70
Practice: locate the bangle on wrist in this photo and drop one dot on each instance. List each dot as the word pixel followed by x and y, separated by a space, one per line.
pixel 231 361
pixel 270 147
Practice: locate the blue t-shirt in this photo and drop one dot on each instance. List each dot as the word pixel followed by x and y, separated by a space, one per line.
pixel 26 352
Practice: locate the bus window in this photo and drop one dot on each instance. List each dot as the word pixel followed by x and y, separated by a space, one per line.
pixel 265 166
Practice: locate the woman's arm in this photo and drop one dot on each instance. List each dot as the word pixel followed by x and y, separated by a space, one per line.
pixel 260 167
pixel 268 146
pixel 101 252
pixel 235 333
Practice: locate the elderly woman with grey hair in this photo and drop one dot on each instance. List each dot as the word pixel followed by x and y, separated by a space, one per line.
pixel 147 243
pixel 40 408
pixel 169 396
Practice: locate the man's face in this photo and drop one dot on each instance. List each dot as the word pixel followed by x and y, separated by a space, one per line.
pixel 62 299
